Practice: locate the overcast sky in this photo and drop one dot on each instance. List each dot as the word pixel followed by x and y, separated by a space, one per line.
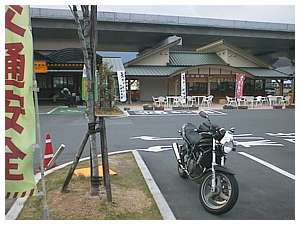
pixel 261 13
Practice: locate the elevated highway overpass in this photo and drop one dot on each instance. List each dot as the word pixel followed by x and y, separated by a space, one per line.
pixel 55 29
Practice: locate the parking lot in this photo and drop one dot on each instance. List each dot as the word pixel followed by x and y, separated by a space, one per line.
pixel 264 162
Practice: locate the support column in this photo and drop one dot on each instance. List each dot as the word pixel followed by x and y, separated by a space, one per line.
pixel 264 86
pixel 254 87
pixel 293 90
pixel 129 91
pixel 281 87
pixel 175 82
pixel 208 82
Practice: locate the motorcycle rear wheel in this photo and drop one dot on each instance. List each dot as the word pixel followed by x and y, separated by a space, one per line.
pixel 225 197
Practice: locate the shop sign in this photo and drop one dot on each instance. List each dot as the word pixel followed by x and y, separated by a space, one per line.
pixel 40 66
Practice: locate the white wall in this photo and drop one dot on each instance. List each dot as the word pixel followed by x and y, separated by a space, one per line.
pixel 153 87
pixel 234 59
pixel 159 59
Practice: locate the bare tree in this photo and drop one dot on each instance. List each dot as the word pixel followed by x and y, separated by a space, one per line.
pixel 87 39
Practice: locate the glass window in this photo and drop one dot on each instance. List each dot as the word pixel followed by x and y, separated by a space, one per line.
pixel 259 85
pixel 197 87
pixel 43 82
pixel 58 82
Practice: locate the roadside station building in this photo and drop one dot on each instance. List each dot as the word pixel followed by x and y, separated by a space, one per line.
pixel 64 68
pixel 210 70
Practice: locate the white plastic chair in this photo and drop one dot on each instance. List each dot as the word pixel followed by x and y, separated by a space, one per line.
pixel 257 100
pixel 207 101
pixel 182 101
pixel 249 100
pixel 285 100
pixel 155 101
pixel 191 101
pixel 241 101
pixel 231 101
pixel 162 101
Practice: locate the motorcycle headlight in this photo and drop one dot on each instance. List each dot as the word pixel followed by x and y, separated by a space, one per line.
pixel 228 146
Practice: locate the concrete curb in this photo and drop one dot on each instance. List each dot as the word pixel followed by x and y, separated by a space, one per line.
pixel 125 113
pixel 161 202
pixel 164 209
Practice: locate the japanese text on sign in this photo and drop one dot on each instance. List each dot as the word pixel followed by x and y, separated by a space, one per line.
pixel 122 85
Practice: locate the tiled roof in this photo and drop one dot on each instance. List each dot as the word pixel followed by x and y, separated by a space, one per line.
pixel 266 73
pixel 194 58
pixel 151 70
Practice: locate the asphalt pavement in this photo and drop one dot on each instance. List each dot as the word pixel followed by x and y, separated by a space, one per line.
pixel 267 135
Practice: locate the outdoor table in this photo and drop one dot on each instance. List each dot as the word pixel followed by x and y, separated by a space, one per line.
pixel 274 99
pixel 241 101
pixel 264 99
pixel 279 99
pixel 171 99
pixel 249 99
pixel 198 97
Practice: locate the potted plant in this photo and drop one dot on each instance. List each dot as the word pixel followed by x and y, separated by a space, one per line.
pixel 147 107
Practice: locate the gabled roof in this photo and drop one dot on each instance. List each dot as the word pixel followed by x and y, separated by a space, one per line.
pixel 69 55
pixel 114 63
pixel 290 70
pixel 264 73
pixel 38 56
pixel 152 71
pixel 178 58
pixel 165 44
pixel 221 45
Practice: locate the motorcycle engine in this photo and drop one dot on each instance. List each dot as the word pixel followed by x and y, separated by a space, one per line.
pixel 193 168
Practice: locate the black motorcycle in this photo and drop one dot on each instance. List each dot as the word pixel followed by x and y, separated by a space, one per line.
pixel 202 158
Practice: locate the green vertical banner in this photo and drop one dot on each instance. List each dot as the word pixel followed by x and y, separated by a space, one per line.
pixel 20 134
pixel 84 85
pixel 96 95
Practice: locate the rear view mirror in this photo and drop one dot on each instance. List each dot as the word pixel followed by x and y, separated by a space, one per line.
pixel 203 114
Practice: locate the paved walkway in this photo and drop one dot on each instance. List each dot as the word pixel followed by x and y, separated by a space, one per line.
pixel 139 106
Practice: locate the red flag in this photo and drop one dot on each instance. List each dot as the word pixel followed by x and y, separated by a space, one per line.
pixel 239 84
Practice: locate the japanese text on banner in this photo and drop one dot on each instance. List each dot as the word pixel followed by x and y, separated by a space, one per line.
pixel 122 85
pixel 19 107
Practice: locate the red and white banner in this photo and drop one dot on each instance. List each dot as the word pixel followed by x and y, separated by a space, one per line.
pixel 239 84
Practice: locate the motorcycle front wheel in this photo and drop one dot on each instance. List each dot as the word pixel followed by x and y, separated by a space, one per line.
pixel 225 195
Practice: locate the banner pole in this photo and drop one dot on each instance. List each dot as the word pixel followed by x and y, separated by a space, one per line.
pixel 38 136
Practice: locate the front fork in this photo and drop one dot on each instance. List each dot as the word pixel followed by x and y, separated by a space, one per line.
pixel 214 163
pixel 213 181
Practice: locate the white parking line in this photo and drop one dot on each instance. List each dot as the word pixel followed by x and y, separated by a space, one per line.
pixel 51 111
pixel 161 202
pixel 269 165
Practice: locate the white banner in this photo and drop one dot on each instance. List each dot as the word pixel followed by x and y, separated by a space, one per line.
pixel 122 85
pixel 183 86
